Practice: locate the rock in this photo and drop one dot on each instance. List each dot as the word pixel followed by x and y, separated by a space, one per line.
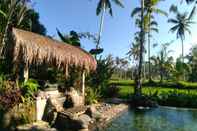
pixel 37 126
pixel 92 112
pixel 74 124
pixel 115 100
pixel 83 130
pixel 52 107
pixel 84 120
pixel 73 99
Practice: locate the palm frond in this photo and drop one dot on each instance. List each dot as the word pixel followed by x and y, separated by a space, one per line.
pixel 99 8
pixel 173 8
pixel 119 3
pixel 154 29
pixel 192 14
pixel 3 14
pixel 174 21
pixel 159 11
pixel 174 28
pixel 62 37
pixel 135 11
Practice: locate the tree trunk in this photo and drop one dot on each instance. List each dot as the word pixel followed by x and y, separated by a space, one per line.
pixel 101 26
pixel 139 75
pixel 183 59
pixel 161 75
pixel 149 69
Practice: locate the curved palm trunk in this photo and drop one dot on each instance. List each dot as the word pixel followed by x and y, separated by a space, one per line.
pixel 101 26
pixel 139 75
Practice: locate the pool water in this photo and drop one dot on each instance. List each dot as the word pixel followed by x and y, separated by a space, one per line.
pixel 158 119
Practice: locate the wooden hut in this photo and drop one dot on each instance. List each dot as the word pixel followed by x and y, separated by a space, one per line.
pixel 31 48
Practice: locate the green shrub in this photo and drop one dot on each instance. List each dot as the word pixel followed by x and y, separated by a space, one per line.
pixel 164 84
pixel 111 91
pixel 103 73
pixel 164 96
pixel 92 96
pixel 29 88
pixel 186 85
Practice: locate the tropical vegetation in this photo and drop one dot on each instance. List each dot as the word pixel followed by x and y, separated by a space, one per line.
pixel 30 63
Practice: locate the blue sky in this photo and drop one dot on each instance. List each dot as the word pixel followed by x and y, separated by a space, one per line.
pixel 80 15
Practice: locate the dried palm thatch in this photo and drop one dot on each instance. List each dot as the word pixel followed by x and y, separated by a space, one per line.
pixel 32 48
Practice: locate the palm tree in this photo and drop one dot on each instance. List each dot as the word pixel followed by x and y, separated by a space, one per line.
pixel 134 51
pixel 192 61
pixel 102 6
pixel 150 9
pixel 163 63
pixel 151 6
pixel 180 68
pixel 182 23
pixel 138 87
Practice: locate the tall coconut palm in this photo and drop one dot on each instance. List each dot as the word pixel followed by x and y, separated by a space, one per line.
pixel 138 87
pixel 150 10
pixel 151 6
pixel 182 23
pixel 102 6
pixel 134 51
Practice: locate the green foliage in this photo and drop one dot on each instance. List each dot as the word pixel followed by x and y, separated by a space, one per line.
pixel 20 16
pixel 28 115
pixel 103 73
pixel 178 99
pixel 186 85
pixel 106 4
pixel 111 91
pixel 164 84
pixel 92 96
pixel 29 88
pixel 121 82
pixel 96 51
pixel 72 38
pixel 182 94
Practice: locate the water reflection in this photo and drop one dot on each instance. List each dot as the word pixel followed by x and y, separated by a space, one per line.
pixel 160 119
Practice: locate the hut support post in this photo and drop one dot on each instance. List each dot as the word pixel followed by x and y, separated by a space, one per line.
pixel 83 84
pixel 26 73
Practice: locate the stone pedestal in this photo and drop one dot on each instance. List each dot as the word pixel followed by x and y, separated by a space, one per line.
pixel 40 107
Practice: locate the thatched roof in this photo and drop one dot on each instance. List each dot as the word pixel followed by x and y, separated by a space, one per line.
pixel 37 49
